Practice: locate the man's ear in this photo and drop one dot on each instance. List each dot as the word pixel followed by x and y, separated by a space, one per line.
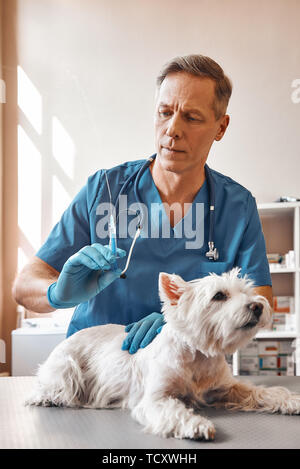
pixel 171 287
pixel 223 126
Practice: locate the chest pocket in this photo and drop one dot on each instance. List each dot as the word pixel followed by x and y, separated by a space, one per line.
pixel 218 268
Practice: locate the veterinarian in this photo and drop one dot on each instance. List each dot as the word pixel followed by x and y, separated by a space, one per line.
pixel 74 267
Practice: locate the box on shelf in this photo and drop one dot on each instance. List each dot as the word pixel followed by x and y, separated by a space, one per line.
pixel 269 373
pixel 275 347
pixel 289 259
pixel 283 304
pixel 249 364
pixel 279 261
pixel 268 362
pixel 268 357
pixel 286 347
pixel 274 258
pixel 248 373
pixel 284 322
pixel 290 365
pixel 273 373
pixel 250 350
pixel 284 317
pixel 268 347
pixel 273 362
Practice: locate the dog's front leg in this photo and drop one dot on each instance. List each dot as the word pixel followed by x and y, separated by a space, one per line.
pixel 168 417
pixel 247 397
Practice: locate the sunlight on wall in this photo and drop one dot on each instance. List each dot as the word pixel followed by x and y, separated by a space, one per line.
pixel 30 170
pixel 29 100
pixel 60 199
pixel 29 189
pixel 22 258
pixel 63 147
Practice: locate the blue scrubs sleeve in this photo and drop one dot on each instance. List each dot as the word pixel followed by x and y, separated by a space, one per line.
pixel 72 232
pixel 251 256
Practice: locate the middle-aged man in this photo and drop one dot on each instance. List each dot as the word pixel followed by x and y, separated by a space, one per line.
pixel 76 266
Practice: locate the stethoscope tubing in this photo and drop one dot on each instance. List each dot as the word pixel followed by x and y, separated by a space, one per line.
pixel 137 176
pixel 211 190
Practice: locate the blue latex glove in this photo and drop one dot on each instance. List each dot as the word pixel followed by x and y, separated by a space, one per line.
pixel 84 275
pixel 141 333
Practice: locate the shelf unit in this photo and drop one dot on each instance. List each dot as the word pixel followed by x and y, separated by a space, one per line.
pixel 281 224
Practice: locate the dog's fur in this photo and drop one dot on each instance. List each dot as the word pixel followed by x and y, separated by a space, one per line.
pixel 181 370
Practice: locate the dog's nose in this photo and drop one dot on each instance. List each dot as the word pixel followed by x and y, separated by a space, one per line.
pixel 256 309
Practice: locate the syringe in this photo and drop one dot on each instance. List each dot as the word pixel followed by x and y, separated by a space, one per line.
pixel 113 240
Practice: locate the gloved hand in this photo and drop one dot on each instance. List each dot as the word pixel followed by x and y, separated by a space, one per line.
pixel 141 333
pixel 84 275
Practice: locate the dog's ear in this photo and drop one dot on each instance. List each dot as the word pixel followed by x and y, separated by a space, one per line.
pixel 171 287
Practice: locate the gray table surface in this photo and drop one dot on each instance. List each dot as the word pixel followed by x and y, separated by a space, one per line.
pixel 65 428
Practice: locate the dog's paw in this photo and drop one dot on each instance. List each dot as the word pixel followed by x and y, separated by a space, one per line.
pixel 32 401
pixel 291 406
pixel 38 400
pixel 206 430
pixel 198 428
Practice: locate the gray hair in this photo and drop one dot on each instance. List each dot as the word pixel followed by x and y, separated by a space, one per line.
pixel 204 67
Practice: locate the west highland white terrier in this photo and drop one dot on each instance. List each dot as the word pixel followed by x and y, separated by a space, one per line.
pixel 181 370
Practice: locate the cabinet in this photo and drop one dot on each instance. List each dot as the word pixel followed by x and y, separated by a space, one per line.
pixel 281 227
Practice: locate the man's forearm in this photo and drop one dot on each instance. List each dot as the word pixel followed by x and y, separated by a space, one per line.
pixel 30 288
pixel 34 296
pixel 265 291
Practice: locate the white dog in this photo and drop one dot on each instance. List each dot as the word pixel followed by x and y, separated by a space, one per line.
pixel 183 369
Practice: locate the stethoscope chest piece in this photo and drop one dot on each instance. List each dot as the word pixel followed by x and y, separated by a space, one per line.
pixel 213 253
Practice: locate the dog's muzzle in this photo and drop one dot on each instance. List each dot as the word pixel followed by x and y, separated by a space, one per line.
pixel 256 310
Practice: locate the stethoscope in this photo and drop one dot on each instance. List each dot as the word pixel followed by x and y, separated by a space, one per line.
pixel 211 254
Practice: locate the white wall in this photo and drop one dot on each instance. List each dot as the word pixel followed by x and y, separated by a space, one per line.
pixel 94 65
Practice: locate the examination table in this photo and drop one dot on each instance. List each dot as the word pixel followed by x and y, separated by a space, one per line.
pixel 53 427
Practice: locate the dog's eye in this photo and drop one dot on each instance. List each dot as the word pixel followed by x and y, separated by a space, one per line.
pixel 220 296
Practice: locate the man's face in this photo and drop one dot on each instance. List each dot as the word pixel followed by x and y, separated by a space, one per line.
pixel 185 123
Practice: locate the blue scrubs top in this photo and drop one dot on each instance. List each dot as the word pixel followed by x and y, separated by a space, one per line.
pixel 238 236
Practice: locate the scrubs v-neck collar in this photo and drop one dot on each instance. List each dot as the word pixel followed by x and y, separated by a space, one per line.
pixel 151 195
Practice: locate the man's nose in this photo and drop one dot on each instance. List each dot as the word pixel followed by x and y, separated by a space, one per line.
pixel 256 309
pixel 174 129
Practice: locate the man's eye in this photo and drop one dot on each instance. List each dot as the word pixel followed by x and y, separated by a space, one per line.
pixel 164 113
pixel 220 296
pixel 193 119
